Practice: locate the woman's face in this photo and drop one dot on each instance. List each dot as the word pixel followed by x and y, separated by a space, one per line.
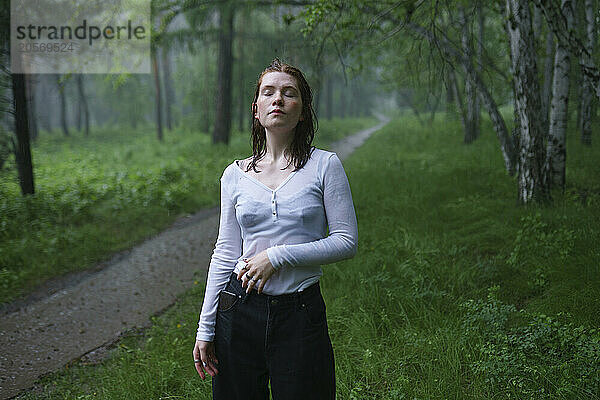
pixel 279 103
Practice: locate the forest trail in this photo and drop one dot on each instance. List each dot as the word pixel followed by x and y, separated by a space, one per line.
pixel 94 308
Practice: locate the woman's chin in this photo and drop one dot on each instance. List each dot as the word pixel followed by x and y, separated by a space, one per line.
pixel 282 127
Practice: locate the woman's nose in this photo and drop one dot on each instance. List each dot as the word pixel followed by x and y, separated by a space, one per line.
pixel 278 99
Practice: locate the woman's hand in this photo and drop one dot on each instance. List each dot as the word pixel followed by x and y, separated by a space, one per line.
pixel 258 269
pixel 204 358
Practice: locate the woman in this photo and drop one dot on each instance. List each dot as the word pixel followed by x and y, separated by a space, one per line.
pixel 263 317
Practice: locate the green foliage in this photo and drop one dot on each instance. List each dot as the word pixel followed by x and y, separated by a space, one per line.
pixel 537 246
pixel 5 147
pixel 545 358
pixel 536 237
pixel 489 317
pixel 314 14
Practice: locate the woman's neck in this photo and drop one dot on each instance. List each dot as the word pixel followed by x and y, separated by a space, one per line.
pixel 276 145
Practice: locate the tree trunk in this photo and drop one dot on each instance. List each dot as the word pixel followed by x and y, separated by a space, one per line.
pixel 79 106
pixel 31 109
pixel 469 103
pixel 168 86
pixel 587 95
pixel 557 21
pixel 531 151
pixel 242 101
pixel 63 105
pixel 157 94
pixel 548 71
pixel 481 21
pixel 23 147
pixel 450 102
pixel 224 67
pixel 578 85
pixel 537 23
pixel 554 166
pixel 83 106
pixel 513 56
pixel 206 105
pixel 433 109
pixel 79 115
pixel 242 105
pixel 458 101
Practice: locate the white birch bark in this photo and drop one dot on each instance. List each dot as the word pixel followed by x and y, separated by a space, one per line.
pixel 513 44
pixel 554 166
pixel 556 22
pixel 587 95
pixel 531 186
pixel 548 71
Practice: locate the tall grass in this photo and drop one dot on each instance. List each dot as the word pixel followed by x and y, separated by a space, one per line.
pixel 100 194
pixel 455 293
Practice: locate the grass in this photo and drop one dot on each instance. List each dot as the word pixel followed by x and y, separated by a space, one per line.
pixel 98 195
pixel 455 293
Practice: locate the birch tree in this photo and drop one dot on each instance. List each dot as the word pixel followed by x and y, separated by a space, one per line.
pixel 587 94
pixel 557 23
pixel 554 166
pixel 531 185
pixel 547 85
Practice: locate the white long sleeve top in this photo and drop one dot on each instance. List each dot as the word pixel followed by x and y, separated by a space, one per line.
pixel 289 222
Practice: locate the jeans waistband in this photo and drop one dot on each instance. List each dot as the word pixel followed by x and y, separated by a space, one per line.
pixel 310 291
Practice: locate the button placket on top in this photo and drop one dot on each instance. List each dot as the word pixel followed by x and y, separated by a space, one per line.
pixel 273 205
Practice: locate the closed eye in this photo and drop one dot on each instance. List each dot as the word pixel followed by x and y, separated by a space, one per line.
pixel 287 93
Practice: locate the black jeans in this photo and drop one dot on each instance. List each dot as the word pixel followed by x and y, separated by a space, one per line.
pixel 282 339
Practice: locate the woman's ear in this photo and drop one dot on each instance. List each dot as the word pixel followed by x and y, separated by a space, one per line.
pixel 254 110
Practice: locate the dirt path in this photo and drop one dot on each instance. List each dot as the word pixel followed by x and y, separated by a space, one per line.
pixel 93 308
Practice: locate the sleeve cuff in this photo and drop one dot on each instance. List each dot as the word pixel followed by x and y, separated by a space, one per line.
pixel 204 337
